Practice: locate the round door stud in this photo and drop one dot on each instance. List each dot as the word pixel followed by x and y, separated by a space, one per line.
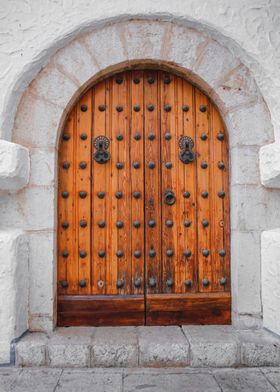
pixel 205 223
pixel 136 108
pixel 186 195
pixel 220 136
pixel 151 136
pixel 169 252
pixel 221 194
pixel 84 108
pixel 203 165
pixel 119 108
pixel 203 108
pixel 187 283
pixel 82 283
pixel 119 137
pixel 205 282
pixel 168 165
pixel 187 223
pixel 137 224
pixel 150 107
pixel 204 195
pixel 221 165
pixel 65 253
pixel 65 165
pixel 136 80
pixel 119 80
pixel 167 108
pixel 167 136
pixel 83 223
pixel 120 283
pixel 83 136
pixel 137 282
pixel 83 194
pixel 223 281
pixel 169 223
pixel 137 136
pixel 66 137
pixel 205 252
pixel 203 136
pixel 152 253
pixel 151 165
pixel 64 284
pixel 101 224
pixel 119 224
pixel 152 282
pixel 186 108
pixel 65 224
pixel 167 81
pixel 151 223
pixel 102 108
pixel 101 253
pixel 118 195
pixel 136 164
pixel 169 282
pixel 83 165
pixel 119 253
pixel 136 195
pixel 137 254
pixel 119 165
pixel 65 194
pixel 187 253
pixel 100 284
pixel 83 254
pixel 151 80
pixel 101 195
pixel 222 252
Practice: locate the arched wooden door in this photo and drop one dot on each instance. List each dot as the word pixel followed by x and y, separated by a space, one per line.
pixel 143 205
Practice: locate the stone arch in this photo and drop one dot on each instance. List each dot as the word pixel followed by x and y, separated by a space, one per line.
pixel 49 98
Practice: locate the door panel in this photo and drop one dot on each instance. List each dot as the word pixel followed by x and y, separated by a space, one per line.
pixel 128 255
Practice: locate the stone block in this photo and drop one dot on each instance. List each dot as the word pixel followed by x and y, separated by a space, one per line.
pixel 244 165
pixel 43 170
pixel 43 380
pixel 31 350
pixel 259 348
pixel 270 165
pixel 270 278
pixel 70 347
pixel 114 347
pixel 8 377
pixel 14 166
pixel 273 376
pixel 212 346
pixel 162 346
pixel 13 288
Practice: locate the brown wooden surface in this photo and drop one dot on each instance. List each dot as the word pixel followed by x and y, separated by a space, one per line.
pixel 129 90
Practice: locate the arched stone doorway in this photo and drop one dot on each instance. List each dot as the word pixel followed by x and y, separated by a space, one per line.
pixel 143 205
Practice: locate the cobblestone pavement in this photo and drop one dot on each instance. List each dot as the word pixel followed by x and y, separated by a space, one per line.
pixel 139 380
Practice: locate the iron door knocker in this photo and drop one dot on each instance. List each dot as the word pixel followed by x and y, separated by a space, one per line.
pixel 169 198
pixel 186 145
pixel 101 143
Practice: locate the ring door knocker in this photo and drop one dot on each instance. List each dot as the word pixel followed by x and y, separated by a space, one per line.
pixel 169 198
pixel 101 143
pixel 186 145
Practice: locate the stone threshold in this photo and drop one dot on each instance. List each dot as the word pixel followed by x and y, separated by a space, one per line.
pixel 174 346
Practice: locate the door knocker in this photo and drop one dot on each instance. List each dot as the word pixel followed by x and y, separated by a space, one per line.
pixel 186 145
pixel 101 143
pixel 169 198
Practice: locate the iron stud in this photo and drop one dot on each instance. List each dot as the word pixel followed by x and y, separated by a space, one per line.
pixel 167 81
pixel 168 165
pixel 118 195
pixel 222 253
pixel 136 195
pixel 136 108
pixel 101 224
pixel 137 136
pixel 186 108
pixel 119 253
pixel 83 223
pixel 152 253
pixel 169 223
pixel 203 108
pixel 150 107
pixel 65 224
pixel 102 108
pixel 204 165
pixel 187 223
pixel 169 252
pixel 137 254
pixel 220 136
pixel 167 136
pixel 119 80
pixel 223 281
pixel 203 136
pixel 83 283
pixel 221 194
pixel 119 108
pixel 152 223
pixel 84 108
pixel 83 136
pixel 83 194
pixel 205 223
pixel 136 164
pixel 120 283
pixel 101 195
pixel 151 165
pixel 66 165
pixel 119 224
pixel 186 195
pixel 64 284
pixel 167 108
pixel 119 137
pixel 205 282
pixel 137 282
pixel 65 253
pixel 205 252
pixel 83 254
pixel 100 284
pixel 151 80
pixel 188 283
pixel 221 165
pixel 83 165
pixel 152 282
pixel 137 224
pixel 136 80
pixel 204 194
pixel 66 137
pixel 169 282
pixel 65 194
pixel 101 253
pixel 151 136
pixel 187 253
pixel 119 165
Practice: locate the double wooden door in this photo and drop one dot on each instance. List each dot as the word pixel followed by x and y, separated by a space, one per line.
pixel 143 205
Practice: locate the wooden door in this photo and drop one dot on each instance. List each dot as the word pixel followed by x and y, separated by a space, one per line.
pixel 143 205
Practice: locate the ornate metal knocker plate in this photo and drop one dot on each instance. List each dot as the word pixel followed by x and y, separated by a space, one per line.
pixel 186 145
pixel 101 143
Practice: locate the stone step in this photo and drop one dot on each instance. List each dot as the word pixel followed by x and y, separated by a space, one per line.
pixel 194 346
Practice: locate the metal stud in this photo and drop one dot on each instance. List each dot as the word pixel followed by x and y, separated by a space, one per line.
pixel 119 253
pixel 83 136
pixel 101 253
pixel 150 107
pixel 220 136
pixel 84 108
pixel 137 136
pixel 65 165
pixel 167 81
pixel 186 195
pixel 221 194
pixel 102 108
pixel 204 194
pixel 83 223
pixel 137 224
pixel 100 284
pixel 120 283
pixel 187 283
pixel 136 195
pixel 83 194
pixel 118 195
pixel 119 137
pixel 152 282
pixel 186 108
pixel 101 195
pixel 169 282
pixel 119 165
pixel 151 80
pixel 203 108
pixel 137 282
pixel 152 253
pixel 136 80
pixel 167 136
pixel 205 223
pixel 169 223
pixel 223 281
pixel 119 224
pixel 205 252
pixel 151 165
pixel 203 136
pixel 187 223
pixel 101 224
pixel 65 224
pixel 168 165
pixel 151 136
pixel 169 252
pixel 119 108
pixel 119 80
pixel 187 253
pixel 83 254
pixel 65 194
pixel 66 137
pixel 204 165
pixel 221 165
pixel 65 253
pixel 167 108
pixel 83 165
pixel 64 284
pixel 82 283
pixel 136 108
pixel 205 282
pixel 222 252
pixel 137 254
pixel 151 223
pixel 136 164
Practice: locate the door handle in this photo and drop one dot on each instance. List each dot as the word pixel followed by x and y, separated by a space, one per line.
pixel 186 145
pixel 101 144
pixel 169 198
